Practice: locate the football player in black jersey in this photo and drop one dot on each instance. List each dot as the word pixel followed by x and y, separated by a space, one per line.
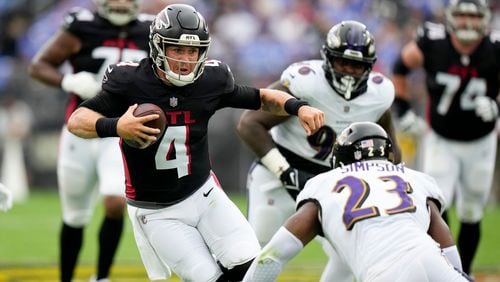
pixel 182 218
pixel 90 41
pixel 462 64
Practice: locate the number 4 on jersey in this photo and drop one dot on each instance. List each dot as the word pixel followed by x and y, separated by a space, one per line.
pixel 173 151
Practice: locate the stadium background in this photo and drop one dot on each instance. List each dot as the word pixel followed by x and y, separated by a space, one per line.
pixel 257 38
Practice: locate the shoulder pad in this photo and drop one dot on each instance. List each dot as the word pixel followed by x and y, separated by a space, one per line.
pixel 302 68
pixel 142 17
pixel 431 31
pixel 217 78
pixel 75 17
pixel 495 36
pixel 117 77
pixel 382 86
pixel 298 72
pixel 431 188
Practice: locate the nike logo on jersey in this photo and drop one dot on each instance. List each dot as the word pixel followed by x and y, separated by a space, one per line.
pixel 208 192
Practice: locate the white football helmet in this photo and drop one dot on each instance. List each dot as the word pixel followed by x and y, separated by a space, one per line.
pixel 118 12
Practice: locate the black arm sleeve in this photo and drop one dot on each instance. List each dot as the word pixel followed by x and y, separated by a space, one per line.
pixel 106 104
pixel 401 106
pixel 242 97
pixel 399 67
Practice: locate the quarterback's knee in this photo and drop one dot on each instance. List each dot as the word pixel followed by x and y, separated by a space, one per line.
pixel 202 272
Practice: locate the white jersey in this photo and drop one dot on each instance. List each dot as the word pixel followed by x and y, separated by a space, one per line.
pixel 306 80
pixel 374 213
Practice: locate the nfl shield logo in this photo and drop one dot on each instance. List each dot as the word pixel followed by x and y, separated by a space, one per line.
pixel 173 102
pixel 347 109
pixel 357 155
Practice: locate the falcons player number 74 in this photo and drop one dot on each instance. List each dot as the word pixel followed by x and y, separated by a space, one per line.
pixel 111 55
pixel 475 87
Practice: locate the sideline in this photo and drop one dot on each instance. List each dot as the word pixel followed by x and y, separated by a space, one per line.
pixel 122 273
pixel 136 273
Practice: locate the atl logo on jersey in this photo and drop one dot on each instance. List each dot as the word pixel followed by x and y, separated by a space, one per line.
pixel 179 118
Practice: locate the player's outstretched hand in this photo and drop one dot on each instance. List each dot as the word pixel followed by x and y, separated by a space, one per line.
pixel 311 119
pixel 132 128
pixel 5 198
pixel 411 123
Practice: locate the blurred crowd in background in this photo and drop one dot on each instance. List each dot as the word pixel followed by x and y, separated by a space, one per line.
pixel 257 38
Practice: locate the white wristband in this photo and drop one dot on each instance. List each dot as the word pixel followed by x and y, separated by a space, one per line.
pixel 275 162
pixel 452 255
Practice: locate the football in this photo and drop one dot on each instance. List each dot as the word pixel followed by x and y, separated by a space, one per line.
pixel 161 122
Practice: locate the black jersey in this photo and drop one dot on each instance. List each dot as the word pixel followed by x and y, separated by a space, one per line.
pixel 178 163
pixel 104 43
pixel 453 81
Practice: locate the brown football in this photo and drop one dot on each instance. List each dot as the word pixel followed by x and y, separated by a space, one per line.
pixel 148 109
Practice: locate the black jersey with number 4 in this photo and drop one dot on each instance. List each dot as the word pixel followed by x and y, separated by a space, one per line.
pixel 178 163
pixel 454 80
pixel 103 43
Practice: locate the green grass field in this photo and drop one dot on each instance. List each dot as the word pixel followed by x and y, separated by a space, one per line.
pixel 29 246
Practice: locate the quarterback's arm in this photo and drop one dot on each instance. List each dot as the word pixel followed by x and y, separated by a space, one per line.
pixel 387 123
pixel 87 123
pixel 440 232
pixel 253 127
pixel 297 231
pixel 82 122
pixel 281 103
pixel 45 64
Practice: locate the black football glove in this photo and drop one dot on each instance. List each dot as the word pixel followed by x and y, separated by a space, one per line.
pixel 294 180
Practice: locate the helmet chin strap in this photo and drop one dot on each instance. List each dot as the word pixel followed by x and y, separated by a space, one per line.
pixel 179 80
pixel 173 78
pixel 176 78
